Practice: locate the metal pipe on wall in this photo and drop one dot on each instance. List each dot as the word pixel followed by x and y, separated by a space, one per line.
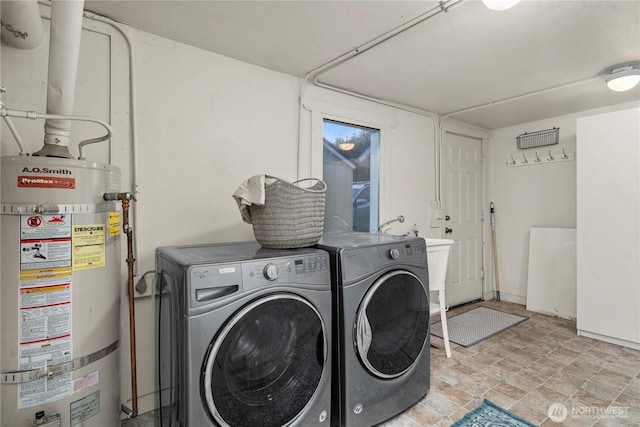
pixel 32 115
pixel 135 185
pixel 125 199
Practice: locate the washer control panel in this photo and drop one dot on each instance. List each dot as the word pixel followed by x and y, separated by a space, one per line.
pixel 405 250
pixel 210 283
pixel 305 270
pixel 311 265
pixel 359 261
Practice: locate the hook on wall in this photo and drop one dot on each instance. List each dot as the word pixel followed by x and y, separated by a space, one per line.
pixel 535 159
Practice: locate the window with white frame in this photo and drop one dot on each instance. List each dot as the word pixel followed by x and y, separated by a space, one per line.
pixel 351 164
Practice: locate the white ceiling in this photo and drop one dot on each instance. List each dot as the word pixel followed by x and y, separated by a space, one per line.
pixel 466 57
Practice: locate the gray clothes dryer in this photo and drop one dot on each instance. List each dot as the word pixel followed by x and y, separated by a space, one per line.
pixel 381 325
pixel 243 335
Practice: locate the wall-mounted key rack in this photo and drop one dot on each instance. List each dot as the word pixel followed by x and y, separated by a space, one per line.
pixel 539 158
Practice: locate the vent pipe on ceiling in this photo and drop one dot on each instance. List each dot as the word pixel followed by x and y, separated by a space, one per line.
pixel 21 24
pixel 64 51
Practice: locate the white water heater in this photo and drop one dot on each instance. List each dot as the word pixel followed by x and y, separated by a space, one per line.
pixel 60 293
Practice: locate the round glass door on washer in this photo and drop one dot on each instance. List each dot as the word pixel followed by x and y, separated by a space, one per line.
pixel 392 324
pixel 266 364
pixel 244 336
pixel 381 326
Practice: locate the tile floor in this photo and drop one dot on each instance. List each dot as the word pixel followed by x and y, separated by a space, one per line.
pixel 525 369
pixel 528 368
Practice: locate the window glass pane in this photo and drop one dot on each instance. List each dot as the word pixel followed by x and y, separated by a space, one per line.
pixel 351 171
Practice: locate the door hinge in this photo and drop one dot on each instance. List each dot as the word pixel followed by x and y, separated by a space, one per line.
pixel 482 273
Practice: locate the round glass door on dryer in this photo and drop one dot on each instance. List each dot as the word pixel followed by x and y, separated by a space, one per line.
pixel 392 324
pixel 266 364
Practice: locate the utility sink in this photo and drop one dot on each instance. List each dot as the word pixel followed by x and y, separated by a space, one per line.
pixel 437 258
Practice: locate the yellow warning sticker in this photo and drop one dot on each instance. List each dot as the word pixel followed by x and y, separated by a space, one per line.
pixel 88 246
pixel 114 224
pixel 45 277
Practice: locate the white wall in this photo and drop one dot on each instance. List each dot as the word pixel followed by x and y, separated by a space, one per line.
pixel 541 195
pixel 206 123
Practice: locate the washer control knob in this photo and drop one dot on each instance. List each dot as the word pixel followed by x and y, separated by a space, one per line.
pixel 394 253
pixel 271 272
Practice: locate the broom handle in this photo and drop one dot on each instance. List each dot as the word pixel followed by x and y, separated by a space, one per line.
pixel 495 252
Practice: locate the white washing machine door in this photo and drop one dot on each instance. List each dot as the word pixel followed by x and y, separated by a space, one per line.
pixel 265 365
pixel 392 324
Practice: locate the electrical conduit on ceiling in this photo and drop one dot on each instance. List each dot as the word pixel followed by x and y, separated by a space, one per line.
pixel 444 6
pixel 517 97
pixel 438 128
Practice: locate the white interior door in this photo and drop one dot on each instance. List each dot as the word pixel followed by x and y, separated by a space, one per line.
pixel 462 199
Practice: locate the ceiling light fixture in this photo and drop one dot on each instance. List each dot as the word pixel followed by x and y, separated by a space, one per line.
pixel 346 146
pixel 623 78
pixel 500 4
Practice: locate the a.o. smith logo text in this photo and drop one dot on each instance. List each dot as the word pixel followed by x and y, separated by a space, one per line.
pixel 46 182
pixel 46 170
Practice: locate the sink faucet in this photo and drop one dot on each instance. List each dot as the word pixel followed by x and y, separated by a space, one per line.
pixel 400 219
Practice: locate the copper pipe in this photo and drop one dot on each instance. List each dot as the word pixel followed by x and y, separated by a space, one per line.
pixel 125 198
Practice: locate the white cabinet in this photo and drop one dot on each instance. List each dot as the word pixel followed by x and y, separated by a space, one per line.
pixel 608 227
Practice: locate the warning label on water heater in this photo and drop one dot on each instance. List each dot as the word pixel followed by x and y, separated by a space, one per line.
pixel 44 305
pixel 45 241
pixel 88 246
pixel 114 224
pixel 39 392
pixel 45 336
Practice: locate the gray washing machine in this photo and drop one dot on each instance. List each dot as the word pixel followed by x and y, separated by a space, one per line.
pixel 381 325
pixel 243 335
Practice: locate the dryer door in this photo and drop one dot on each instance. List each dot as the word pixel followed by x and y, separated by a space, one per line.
pixel 392 324
pixel 265 365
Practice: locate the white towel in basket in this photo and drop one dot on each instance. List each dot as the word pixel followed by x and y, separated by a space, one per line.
pixel 251 192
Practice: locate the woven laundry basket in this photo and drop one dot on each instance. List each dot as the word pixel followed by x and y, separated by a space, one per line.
pixel 292 215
